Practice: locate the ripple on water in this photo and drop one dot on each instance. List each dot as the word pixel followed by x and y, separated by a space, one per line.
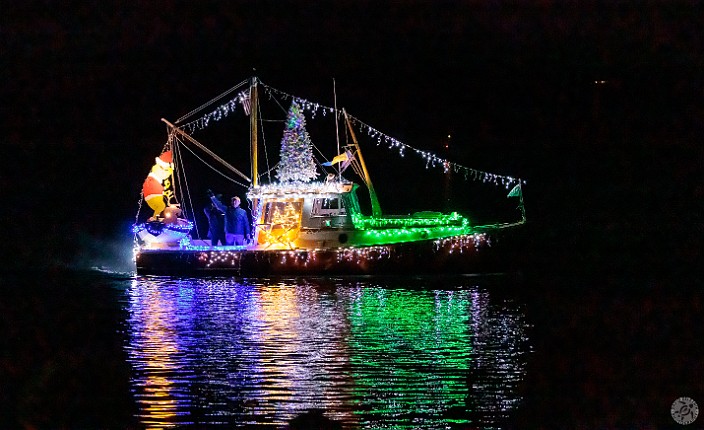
pixel 370 354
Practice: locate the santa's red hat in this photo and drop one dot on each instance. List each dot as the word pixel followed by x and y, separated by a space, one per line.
pixel 165 159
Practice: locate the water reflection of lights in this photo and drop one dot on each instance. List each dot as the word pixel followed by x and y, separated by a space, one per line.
pixel 501 347
pixel 219 351
pixel 304 344
pixel 153 341
pixel 421 386
pixel 226 352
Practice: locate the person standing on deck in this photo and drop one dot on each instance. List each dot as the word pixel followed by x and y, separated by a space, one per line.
pixel 237 229
pixel 216 222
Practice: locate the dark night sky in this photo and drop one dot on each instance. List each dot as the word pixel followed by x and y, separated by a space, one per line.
pixel 85 84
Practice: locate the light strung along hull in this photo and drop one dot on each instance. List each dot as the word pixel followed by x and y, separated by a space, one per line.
pixel 465 254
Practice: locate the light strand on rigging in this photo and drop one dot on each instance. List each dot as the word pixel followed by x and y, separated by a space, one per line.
pixel 431 159
pixel 211 101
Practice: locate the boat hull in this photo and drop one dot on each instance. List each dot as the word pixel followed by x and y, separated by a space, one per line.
pixel 477 253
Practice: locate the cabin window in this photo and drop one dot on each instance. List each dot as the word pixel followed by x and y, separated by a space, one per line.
pixel 334 206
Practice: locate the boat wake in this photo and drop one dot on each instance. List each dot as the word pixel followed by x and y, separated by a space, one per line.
pixel 110 271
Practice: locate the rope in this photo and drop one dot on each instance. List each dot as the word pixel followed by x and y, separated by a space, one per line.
pixel 136 217
pixel 268 172
pixel 499 225
pixel 266 153
pixel 180 176
pixel 206 104
pixel 430 157
pixel 214 169
pixel 182 171
pixel 271 96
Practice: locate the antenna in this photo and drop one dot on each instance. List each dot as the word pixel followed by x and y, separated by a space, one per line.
pixel 337 128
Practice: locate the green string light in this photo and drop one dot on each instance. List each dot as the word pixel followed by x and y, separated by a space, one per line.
pixel 363 222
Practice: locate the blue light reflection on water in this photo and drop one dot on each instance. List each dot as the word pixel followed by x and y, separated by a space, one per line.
pixel 370 354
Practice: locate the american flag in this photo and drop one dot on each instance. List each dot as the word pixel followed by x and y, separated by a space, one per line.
pixel 246 103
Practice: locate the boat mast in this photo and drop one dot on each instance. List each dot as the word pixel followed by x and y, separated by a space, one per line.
pixel 253 131
pixel 337 128
pixel 376 208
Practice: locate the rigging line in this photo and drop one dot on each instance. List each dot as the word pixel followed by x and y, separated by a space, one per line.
pixel 180 176
pixel 320 152
pixel 205 105
pixel 202 122
pixel 268 88
pixel 357 168
pixel 175 174
pixel 396 142
pixel 176 184
pixel 207 151
pixel 135 240
pixel 139 209
pixel 266 154
pixel 337 128
pixel 214 169
pixel 269 171
pixel 188 193
pixel 321 167
pixel 167 144
pixel 271 96
pixel 285 111
pixel 300 100
pixel 499 225
pixel 430 157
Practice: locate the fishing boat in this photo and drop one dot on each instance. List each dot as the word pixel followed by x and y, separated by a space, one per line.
pixel 307 219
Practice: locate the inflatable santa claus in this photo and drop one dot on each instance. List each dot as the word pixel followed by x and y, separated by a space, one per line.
pixel 157 181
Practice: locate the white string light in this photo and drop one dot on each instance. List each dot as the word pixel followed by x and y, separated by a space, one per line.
pixel 219 113
pixel 432 160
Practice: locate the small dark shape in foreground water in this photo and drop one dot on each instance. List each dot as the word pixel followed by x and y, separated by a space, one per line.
pixel 313 420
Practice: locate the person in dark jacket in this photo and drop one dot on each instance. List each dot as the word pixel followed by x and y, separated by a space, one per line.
pixel 237 226
pixel 216 224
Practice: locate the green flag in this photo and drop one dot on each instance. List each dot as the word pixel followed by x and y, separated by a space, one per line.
pixel 516 191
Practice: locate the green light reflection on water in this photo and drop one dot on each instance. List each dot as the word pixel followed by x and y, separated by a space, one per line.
pixel 384 326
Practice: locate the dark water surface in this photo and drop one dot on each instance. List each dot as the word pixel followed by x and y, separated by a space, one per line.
pixel 106 350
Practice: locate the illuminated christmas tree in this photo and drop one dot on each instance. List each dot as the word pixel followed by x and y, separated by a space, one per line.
pixel 297 163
